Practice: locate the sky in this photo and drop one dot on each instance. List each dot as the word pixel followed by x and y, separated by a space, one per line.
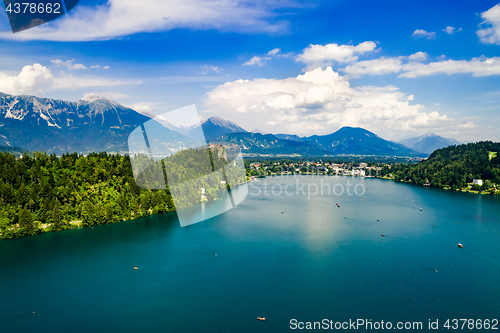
pixel 397 68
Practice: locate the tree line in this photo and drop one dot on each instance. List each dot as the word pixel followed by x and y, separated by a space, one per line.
pixel 453 167
pixel 41 192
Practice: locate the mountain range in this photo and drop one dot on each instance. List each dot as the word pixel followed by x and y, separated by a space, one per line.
pixel 56 126
pixel 268 144
pixel 428 142
pixel 99 124
pixel 345 141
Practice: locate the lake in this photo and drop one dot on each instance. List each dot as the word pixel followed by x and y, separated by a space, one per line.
pixel 312 262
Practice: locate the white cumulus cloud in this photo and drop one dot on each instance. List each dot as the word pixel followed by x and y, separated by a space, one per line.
pixel 481 66
pixel 490 34
pixel 320 55
pixel 467 125
pixel 140 107
pixel 261 60
pixel 98 66
pixel 383 65
pixel 319 102
pixel 36 79
pixel 419 56
pixel 273 52
pixel 423 33
pixel 379 66
pixel 451 30
pixel 412 67
pixel 117 18
pixel 69 64
pixel 256 60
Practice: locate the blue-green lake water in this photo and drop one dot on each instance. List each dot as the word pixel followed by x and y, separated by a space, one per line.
pixel 309 263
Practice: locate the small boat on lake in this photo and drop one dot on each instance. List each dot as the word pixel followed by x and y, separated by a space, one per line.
pixel 261 318
pixel 460 245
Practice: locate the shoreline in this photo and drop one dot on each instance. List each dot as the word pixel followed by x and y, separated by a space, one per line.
pixel 77 224
pixel 42 228
pixel 462 190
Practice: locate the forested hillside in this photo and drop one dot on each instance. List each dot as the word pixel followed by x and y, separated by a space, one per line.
pixel 454 167
pixel 41 192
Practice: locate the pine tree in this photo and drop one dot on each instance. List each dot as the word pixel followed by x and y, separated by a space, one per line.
pixel 26 221
pixel 4 223
pixel 88 217
pixel 56 216
pixel 108 213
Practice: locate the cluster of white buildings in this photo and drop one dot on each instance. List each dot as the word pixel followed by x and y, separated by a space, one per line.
pixel 341 169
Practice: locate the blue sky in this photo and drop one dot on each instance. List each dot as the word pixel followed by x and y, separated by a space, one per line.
pixel 392 67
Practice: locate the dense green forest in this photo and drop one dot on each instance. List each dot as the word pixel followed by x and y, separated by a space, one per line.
pixel 454 167
pixel 41 192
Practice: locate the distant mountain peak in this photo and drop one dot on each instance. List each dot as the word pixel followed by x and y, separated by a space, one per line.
pixel 428 142
pixel 358 141
pixel 215 118
pixel 215 127
pixel 256 130
pixel 219 121
pixel 348 130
